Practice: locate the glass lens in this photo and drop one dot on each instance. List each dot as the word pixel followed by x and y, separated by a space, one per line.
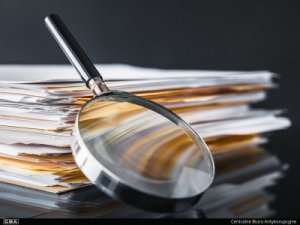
pixel 145 146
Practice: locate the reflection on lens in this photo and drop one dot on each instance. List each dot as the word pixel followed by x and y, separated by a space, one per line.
pixel 144 148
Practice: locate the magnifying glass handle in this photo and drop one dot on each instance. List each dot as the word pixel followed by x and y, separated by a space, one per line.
pixel 75 54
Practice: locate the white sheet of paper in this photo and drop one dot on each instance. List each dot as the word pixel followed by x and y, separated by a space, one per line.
pixel 243 126
pixel 19 149
pixel 66 73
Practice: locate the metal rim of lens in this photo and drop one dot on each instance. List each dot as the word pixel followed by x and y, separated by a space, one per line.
pixel 117 188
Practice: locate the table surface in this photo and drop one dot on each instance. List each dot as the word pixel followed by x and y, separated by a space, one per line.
pixel 241 189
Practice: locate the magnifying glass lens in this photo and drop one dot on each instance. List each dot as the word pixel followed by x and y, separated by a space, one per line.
pixel 144 146
pixel 131 148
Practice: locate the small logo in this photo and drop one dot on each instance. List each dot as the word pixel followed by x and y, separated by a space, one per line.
pixel 10 221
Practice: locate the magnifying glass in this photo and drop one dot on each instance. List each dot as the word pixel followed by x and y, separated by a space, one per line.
pixel 133 149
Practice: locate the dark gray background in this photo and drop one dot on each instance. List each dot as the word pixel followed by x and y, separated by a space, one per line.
pixel 223 35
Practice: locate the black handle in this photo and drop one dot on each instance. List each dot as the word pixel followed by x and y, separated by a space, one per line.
pixel 72 49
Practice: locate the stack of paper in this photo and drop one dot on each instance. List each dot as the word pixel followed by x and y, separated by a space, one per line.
pixel 38 106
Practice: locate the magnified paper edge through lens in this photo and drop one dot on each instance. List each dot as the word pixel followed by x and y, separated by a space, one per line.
pixel 129 178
